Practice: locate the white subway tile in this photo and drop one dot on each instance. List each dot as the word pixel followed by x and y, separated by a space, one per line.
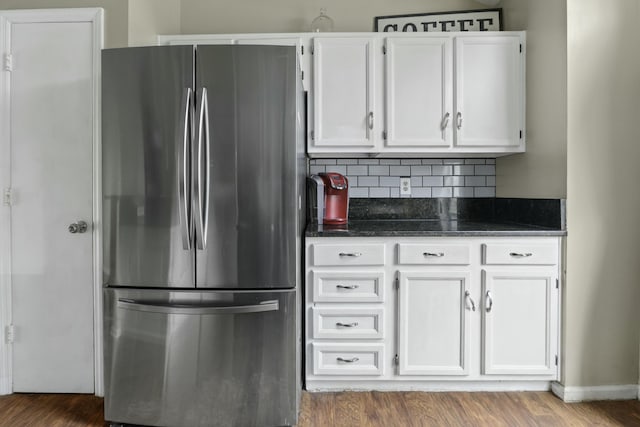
pixel 453 161
pixel 453 181
pixel 341 169
pixel 400 170
pixel 379 192
pixel 441 192
pixel 358 192
pixel 474 181
pixel 491 161
pixel 484 192
pixel 379 170
pixel 420 170
pixel 357 170
pixel 410 162
pixel 431 161
pixel 491 181
pixel 463 170
pixel 312 162
pixel 462 191
pixel 390 161
pixel 389 181
pixel 368 161
pixel 441 170
pixel 416 181
pixel 485 170
pixel 474 161
pixel 395 192
pixel 368 181
pixel 353 181
pixel 432 181
pixel 347 161
pixel 422 192
pixel 325 161
pixel 316 169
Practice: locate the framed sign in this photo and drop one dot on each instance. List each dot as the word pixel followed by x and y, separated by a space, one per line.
pixel 464 20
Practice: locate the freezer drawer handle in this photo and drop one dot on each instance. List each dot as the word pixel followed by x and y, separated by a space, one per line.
pixel 155 307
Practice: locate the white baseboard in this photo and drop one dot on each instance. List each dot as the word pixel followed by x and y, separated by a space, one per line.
pixel 429 386
pixel 604 392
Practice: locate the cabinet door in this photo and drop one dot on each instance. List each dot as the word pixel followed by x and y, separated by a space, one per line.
pixel 343 90
pixel 433 323
pixel 489 86
pixel 520 322
pixel 418 92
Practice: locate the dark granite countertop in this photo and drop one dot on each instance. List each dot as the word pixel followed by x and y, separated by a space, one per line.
pixel 448 217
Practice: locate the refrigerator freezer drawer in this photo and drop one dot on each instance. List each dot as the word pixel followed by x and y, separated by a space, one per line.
pixel 212 358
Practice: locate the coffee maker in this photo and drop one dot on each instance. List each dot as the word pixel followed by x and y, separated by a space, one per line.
pixel 329 199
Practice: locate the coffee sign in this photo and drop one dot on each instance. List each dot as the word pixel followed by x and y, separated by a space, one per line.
pixel 468 20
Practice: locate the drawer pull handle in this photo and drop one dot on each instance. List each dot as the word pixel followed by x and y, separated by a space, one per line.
pixel 348 287
pixel 346 325
pixel 352 360
pixel 350 254
pixel 433 254
pixel 468 296
pixel 520 255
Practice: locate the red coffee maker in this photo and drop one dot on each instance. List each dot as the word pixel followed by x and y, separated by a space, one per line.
pixel 335 209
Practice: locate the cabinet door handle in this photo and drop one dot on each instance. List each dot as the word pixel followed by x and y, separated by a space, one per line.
pixel 370 120
pixel 520 255
pixel 350 254
pixel 352 360
pixel 433 254
pixel 445 121
pixel 488 302
pixel 350 287
pixel 467 295
pixel 346 325
pixel 459 120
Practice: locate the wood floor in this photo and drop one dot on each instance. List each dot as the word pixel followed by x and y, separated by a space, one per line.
pixel 351 409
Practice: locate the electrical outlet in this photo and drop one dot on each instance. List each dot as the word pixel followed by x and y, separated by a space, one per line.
pixel 405 186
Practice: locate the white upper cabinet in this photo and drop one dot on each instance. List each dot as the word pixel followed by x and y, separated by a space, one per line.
pixel 344 77
pixel 418 93
pixel 489 92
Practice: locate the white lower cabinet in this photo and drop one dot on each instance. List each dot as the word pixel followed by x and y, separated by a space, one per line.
pixel 432 313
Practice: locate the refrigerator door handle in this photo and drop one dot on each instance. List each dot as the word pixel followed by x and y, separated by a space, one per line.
pixel 202 190
pixel 168 308
pixel 183 169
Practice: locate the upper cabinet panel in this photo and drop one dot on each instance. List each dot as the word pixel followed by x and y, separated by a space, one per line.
pixel 489 92
pixel 344 102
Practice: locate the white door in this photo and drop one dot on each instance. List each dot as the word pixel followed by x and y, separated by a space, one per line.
pixel 419 92
pixel 344 103
pixel 433 323
pixel 51 144
pixel 520 313
pixel 489 85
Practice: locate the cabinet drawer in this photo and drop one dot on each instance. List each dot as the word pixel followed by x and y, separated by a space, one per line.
pixel 433 254
pixel 348 323
pixel 528 254
pixel 348 359
pixel 348 286
pixel 345 254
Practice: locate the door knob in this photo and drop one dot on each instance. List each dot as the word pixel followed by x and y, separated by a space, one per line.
pixel 78 227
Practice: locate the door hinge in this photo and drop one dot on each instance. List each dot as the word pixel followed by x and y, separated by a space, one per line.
pixel 8 62
pixel 520 134
pixel 6 197
pixel 384 135
pixel 312 50
pixel 301 49
pixel 302 76
pixel 396 360
pixel 520 47
pixel 384 50
pixel 9 334
pixel 397 284
pixel 313 136
pixel 557 283
pixel 556 360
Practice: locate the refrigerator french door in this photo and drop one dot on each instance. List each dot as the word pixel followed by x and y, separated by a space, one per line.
pixel 203 166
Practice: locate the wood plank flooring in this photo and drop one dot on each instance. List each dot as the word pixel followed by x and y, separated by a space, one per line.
pixel 364 409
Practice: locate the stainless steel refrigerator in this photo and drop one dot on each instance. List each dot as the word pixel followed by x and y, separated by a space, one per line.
pixel 203 170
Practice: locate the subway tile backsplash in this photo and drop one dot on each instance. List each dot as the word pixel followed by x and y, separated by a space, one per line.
pixel 380 178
